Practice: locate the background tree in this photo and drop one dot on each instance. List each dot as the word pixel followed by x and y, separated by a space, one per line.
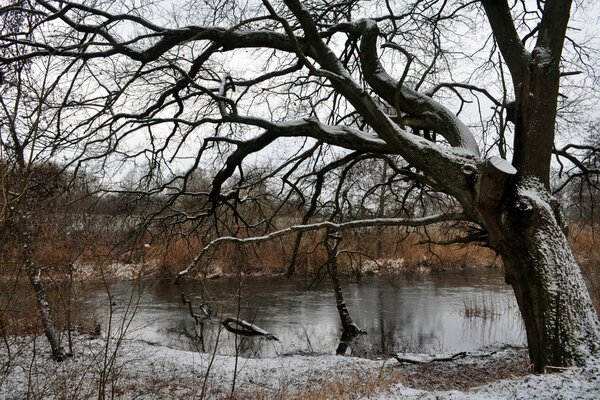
pixel 323 89
pixel 578 178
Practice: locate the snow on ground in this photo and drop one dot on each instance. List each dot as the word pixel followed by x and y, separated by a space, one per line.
pixel 576 383
pixel 134 369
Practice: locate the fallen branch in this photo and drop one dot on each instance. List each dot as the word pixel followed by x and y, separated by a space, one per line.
pixel 244 328
pixel 233 325
pixel 424 360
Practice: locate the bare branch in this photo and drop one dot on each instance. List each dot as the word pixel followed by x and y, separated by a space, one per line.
pixel 331 226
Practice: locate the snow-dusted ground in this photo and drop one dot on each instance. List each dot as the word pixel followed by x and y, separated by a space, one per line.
pixel 575 383
pixel 139 370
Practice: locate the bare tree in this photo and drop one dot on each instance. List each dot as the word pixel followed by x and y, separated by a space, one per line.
pixel 323 89
pixel 34 187
pixel 578 177
pixel 21 189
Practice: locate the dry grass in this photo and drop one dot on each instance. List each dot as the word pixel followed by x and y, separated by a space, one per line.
pixel 414 248
pixel 585 242
pixel 357 248
pixel 19 314
pixel 480 307
pixel 450 376
pixel 348 386
pixel 332 385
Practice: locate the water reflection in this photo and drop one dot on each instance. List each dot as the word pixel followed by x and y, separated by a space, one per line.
pixel 419 314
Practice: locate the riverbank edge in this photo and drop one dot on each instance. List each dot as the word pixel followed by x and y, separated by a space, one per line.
pixel 135 369
pixel 146 271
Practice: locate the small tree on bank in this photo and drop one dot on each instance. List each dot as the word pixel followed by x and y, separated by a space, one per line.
pixel 338 83
pixel 38 197
pixel 23 186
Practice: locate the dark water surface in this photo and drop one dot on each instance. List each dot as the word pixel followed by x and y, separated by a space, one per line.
pixel 420 313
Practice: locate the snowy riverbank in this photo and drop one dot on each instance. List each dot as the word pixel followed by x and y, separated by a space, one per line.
pixel 135 369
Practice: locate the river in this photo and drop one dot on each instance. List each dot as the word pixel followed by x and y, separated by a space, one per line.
pixel 441 312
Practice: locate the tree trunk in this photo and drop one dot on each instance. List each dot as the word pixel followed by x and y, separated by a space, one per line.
pixel 562 326
pixel 349 329
pixel 381 207
pixel 561 323
pixel 33 273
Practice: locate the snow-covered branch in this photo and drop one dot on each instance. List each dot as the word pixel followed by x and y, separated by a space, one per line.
pixel 332 226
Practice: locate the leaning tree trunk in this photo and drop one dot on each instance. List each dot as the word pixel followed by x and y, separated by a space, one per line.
pixel 349 329
pixel 561 323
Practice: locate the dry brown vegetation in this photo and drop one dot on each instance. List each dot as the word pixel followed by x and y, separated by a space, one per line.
pixel 350 385
pixel 585 242
pixel 381 250
pixel 449 376
pixel 19 313
pixel 358 250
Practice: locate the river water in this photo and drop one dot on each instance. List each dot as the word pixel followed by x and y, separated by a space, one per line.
pixel 445 312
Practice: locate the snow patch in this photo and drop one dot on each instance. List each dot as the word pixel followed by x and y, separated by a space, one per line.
pixel 143 371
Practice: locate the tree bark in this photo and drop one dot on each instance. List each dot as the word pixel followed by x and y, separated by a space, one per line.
pixel 381 206
pixel 561 324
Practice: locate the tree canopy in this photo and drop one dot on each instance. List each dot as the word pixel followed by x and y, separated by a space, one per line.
pixel 457 101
